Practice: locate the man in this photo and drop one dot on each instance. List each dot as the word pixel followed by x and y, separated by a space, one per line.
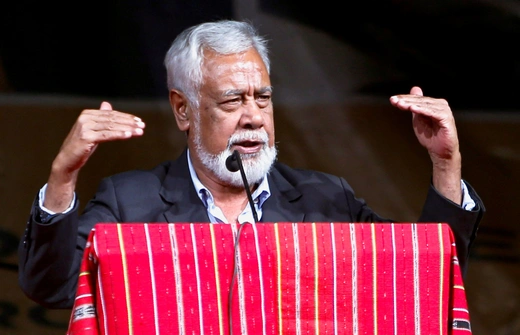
pixel 221 96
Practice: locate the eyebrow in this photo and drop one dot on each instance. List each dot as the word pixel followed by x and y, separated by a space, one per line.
pixel 233 92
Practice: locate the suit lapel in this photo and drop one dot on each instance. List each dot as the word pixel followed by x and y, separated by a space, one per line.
pixel 186 206
pixel 282 205
pixel 179 191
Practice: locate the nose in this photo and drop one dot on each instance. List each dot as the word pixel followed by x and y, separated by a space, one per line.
pixel 252 116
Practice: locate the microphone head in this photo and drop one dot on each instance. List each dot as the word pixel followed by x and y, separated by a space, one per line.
pixel 232 162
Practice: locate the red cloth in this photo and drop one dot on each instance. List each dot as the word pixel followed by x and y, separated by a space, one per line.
pixel 294 278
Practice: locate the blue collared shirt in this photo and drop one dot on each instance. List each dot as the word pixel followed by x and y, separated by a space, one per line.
pixel 215 214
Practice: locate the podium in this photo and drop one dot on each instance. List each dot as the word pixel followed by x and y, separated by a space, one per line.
pixel 284 278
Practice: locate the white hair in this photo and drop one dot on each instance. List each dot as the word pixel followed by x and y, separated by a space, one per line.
pixel 185 57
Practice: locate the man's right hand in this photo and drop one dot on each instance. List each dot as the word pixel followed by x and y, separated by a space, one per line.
pixel 91 128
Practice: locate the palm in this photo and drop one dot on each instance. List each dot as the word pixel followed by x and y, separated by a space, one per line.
pixel 433 122
pixel 434 135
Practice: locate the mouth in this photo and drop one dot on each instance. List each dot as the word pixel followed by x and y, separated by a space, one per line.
pixel 248 146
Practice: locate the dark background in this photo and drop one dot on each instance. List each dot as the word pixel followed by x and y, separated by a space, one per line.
pixel 465 51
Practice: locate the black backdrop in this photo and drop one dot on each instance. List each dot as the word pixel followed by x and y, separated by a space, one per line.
pixel 109 48
pixel 464 51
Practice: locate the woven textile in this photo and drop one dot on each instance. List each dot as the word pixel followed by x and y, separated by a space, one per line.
pixel 292 278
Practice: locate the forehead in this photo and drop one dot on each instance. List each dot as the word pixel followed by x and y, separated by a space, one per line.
pixel 248 63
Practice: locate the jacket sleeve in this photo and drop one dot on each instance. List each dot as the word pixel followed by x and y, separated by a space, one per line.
pixel 464 223
pixel 48 258
pixel 50 254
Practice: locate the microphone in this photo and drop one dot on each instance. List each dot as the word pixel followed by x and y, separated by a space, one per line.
pixel 234 164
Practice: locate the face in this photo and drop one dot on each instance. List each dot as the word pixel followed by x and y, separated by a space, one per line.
pixel 235 113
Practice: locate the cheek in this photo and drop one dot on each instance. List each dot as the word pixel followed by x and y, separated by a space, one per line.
pixel 213 118
pixel 269 127
pixel 211 123
pixel 218 130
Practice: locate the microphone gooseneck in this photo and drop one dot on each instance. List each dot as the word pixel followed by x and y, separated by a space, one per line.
pixel 234 164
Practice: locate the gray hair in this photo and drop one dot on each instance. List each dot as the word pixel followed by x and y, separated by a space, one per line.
pixel 184 59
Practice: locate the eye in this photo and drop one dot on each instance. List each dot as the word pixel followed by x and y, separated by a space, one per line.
pixel 232 101
pixel 263 100
pixel 264 97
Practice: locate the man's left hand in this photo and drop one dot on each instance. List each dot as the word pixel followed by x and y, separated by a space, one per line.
pixel 434 126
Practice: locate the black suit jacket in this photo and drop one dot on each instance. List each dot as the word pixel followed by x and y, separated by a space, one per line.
pixel 50 254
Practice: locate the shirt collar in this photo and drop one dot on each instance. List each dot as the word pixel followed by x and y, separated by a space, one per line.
pixel 259 196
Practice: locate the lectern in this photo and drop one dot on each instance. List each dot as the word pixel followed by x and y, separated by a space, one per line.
pixel 284 278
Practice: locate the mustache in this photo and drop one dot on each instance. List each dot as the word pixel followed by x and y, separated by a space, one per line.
pixel 248 135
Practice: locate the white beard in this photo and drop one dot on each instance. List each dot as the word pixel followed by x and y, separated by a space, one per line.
pixel 256 166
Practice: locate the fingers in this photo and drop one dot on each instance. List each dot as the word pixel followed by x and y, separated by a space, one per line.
pixel 416 90
pixel 106 124
pixel 416 103
pixel 105 106
pixel 92 127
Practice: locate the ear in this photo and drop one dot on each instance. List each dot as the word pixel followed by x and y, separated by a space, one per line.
pixel 180 108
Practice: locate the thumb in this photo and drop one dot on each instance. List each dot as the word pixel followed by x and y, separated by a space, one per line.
pixel 105 106
pixel 416 90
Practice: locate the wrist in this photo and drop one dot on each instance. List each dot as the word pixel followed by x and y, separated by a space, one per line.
pixel 59 192
pixel 446 177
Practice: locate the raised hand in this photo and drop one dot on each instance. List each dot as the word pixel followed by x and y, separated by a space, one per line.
pixel 434 126
pixel 91 128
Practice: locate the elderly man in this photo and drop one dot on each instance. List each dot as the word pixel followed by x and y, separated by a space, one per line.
pixel 221 96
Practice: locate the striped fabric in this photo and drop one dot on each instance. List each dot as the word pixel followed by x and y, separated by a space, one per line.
pixel 292 278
